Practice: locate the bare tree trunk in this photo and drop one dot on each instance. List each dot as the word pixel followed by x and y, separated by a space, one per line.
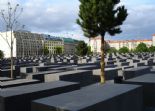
pixel 23 49
pixel 11 55
pixel 102 76
pixel 11 63
pixel 23 54
pixel 10 20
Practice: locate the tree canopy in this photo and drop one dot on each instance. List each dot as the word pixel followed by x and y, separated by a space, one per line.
pixel 89 52
pixel 81 48
pixel 152 49
pixel 58 50
pixel 1 54
pixel 46 51
pixel 112 50
pixel 142 47
pixel 107 47
pixel 124 50
pixel 98 17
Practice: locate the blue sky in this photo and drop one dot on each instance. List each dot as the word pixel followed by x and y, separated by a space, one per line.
pixel 58 17
pixel 138 2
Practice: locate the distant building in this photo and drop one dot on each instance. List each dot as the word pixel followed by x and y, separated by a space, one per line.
pixel 33 44
pixel 25 43
pixel 153 39
pixel 51 42
pixel 131 44
pixel 95 43
pixel 70 45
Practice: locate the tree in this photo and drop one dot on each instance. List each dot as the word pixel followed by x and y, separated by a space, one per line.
pixel 124 50
pixel 98 17
pixel 81 48
pixel 10 17
pixel 89 52
pixel 46 51
pixel 1 54
pixel 142 48
pixel 112 50
pixel 132 50
pixel 58 50
pixel 152 49
pixel 106 46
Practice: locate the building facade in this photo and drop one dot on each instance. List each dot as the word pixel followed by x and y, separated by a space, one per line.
pixel 70 45
pixel 27 44
pixel 153 39
pixel 131 44
pixel 95 43
pixel 52 42
pixel 5 41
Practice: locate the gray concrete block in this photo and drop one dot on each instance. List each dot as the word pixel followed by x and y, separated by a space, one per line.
pixel 2 79
pixel 110 73
pixel 107 97
pixel 148 83
pixel 84 77
pixel 41 76
pixel 17 82
pixel 19 98
pixel 134 72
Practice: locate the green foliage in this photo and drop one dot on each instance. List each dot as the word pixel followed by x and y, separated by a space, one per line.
pixel 107 47
pixel 89 52
pixel 124 50
pixel 46 51
pixel 96 17
pixel 81 48
pixel 132 50
pixel 142 48
pixel 58 50
pixel 152 49
pixel 112 50
pixel 1 54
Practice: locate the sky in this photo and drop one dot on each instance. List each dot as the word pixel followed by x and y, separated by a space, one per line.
pixel 58 17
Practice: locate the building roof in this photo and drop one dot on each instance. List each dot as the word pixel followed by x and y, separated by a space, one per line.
pixel 25 31
pixel 69 40
pixel 52 38
pixel 124 41
pixel 96 38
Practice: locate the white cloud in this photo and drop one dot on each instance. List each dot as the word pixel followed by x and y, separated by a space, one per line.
pixel 49 17
pixel 60 17
pixel 140 21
